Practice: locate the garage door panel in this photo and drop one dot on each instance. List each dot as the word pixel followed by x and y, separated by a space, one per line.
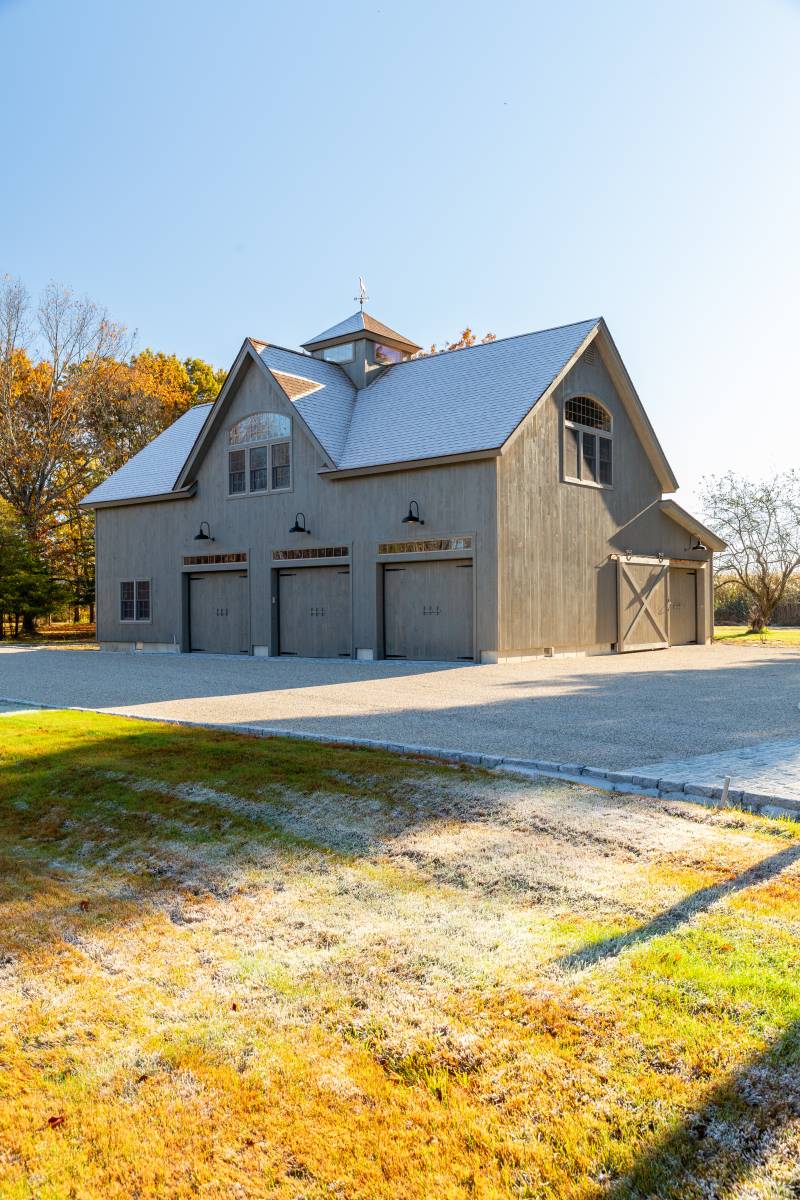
pixel 428 611
pixel 314 612
pixel 219 612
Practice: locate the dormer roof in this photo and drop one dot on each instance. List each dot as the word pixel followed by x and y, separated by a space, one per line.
pixel 361 325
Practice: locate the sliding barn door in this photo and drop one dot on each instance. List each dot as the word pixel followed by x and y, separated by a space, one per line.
pixel 642 604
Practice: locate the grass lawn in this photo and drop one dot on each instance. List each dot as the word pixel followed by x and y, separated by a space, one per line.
pixel 234 968
pixel 744 636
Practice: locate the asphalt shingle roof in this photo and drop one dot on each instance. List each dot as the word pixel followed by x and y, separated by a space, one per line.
pixel 457 402
pixel 327 411
pixel 155 469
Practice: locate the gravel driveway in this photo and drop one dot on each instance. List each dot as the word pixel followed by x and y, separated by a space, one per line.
pixel 618 712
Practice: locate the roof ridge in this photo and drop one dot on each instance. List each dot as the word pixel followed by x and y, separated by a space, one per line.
pixel 494 341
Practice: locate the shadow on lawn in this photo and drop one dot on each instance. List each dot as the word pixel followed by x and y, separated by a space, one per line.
pixel 744 1121
pixel 683 911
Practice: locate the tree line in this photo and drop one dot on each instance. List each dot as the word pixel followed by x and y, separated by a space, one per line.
pixel 76 402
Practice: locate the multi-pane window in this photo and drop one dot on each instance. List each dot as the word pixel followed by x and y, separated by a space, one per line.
pixel 134 600
pixel 280 465
pixel 261 460
pixel 587 442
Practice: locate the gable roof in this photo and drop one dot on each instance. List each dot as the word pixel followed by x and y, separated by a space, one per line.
pixel 328 408
pixel 459 403
pixel 359 323
pixel 154 470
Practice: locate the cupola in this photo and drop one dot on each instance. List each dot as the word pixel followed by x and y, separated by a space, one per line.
pixel 362 346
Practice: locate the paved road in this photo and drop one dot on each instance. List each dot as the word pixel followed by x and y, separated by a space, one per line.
pixel 737 704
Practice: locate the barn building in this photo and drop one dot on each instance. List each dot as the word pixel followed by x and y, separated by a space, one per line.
pixel 348 499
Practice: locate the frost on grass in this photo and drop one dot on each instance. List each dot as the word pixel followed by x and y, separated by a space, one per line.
pixel 357 982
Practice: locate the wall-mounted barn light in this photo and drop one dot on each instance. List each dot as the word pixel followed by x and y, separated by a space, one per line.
pixel 413 517
pixel 205 533
pixel 299 524
pixel 698 545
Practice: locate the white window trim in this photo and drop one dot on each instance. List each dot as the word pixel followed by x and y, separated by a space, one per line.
pixel 592 431
pixel 260 444
pixel 134 620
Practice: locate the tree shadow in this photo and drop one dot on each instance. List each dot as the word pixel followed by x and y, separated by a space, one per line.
pixel 680 913
pixel 745 1120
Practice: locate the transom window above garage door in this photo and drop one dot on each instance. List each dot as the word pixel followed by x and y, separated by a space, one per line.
pixel 588 446
pixel 260 454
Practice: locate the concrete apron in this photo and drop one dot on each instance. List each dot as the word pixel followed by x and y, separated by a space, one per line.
pixel 634 783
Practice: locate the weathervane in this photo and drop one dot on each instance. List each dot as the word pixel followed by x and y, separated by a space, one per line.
pixel 362 292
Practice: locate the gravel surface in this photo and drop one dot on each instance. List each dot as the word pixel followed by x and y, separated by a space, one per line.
pixel 611 711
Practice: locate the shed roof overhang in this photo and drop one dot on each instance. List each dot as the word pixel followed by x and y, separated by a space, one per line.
pixel 681 517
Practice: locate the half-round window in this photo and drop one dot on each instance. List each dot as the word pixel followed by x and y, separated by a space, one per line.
pixel 260 427
pixel 584 411
pixel 260 454
pixel 588 448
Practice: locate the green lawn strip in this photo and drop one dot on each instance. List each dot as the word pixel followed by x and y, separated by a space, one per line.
pixel 744 635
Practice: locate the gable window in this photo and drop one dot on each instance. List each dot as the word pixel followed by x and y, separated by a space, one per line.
pixel 588 446
pixel 339 354
pixel 134 600
pixel 260 454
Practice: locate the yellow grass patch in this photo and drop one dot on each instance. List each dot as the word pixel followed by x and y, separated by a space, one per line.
pixel 243 968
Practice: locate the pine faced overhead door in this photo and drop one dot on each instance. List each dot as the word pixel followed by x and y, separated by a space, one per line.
pixel 219 612
pixel 641 604
pixel 314 612
pixel 427 610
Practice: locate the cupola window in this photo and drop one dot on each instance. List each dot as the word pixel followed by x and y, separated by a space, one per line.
pixel 339 354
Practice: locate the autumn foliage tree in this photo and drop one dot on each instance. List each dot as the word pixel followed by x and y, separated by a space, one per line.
pixel 75 404
pixel 466 338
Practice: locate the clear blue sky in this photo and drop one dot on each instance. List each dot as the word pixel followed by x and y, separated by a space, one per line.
pixel 213 170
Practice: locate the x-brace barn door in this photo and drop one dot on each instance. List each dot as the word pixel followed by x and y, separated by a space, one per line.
pixel 642 604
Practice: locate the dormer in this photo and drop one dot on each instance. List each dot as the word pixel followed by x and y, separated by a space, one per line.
pixel 362 346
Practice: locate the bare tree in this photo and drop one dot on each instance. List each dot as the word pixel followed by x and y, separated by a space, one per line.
pixel 760 521
pixel 48 361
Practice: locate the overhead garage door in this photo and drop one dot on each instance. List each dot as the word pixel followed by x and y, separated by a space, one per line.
pixel 642 604
pixel 682 606
pixel 314 612
pixel 219 612
pixel 428 610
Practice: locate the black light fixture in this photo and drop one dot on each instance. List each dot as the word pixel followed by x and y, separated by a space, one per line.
pixel 698 545
pixel 413 517
pixel 299 524
pixel 205 533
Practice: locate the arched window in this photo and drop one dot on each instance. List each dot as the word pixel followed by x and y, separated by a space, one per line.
pixel 260 454
pixel 588 447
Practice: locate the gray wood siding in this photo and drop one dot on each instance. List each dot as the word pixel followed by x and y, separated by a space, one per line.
pixel 149 540
pixel 557 585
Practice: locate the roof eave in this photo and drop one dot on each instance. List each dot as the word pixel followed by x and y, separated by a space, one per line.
pixel 411 464
pixel 636 412
pixel 184 493
pixel 681 517
pixel 363 335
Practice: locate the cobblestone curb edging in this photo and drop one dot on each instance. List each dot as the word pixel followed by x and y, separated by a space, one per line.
pixel 633 783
